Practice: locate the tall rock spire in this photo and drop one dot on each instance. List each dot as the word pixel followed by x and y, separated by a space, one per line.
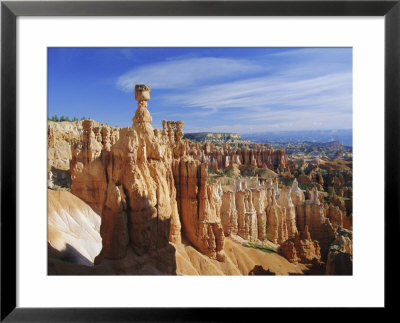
pixel 142 95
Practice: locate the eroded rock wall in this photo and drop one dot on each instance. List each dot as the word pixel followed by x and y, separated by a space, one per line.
pixel 199 206
pixel 301 248
pixel 127 177
pixel 152 188
pixel 219 158
pixel 229 215
pixel 143 185
pixel 311 214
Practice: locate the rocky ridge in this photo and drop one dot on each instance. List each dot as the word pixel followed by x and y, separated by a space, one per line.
pixel 152 190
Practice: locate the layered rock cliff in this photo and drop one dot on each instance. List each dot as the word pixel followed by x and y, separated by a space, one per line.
pixel 154 193
pixel 199 207
pixel 127 177
pixel 61 136
pixel 152 188
pixel 301 248
pixel 220 158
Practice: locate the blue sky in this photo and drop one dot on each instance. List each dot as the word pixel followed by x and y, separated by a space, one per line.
pixel 243 90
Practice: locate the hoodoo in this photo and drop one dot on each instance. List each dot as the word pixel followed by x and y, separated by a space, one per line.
pixel 158 194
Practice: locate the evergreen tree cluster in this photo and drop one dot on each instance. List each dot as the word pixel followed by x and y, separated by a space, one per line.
pixel 63 118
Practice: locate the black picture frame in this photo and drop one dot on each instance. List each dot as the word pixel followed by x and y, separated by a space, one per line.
pixel 10 10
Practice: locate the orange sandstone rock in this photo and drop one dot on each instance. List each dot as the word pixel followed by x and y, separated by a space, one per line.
pixel 128 179
pixel 199 207
pixel 229 215
pixel 301 248
pixel 152 189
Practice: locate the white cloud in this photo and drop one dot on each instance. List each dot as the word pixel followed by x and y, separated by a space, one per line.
pixel 273 103
pixel 268 92
pixel 174 74
pixel 310 89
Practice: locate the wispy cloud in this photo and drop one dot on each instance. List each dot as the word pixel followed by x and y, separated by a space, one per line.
pixel 278 120
pixel 173 74
pixel 288 90
pixel 282 92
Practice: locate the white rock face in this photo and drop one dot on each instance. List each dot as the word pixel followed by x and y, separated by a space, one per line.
pixel 50 180
pixel 73 227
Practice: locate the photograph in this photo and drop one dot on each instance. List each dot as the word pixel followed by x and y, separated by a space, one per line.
pixel 210 161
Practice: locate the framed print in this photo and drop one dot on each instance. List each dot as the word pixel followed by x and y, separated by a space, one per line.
pixel 190 144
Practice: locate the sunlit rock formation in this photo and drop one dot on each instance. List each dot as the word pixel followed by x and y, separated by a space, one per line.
pixel 285 200
pixel 128 179
pixel 301 248
pixel 133 180
pixel 199 207
pixel 220 158
pixel 153 191
pixel 229 214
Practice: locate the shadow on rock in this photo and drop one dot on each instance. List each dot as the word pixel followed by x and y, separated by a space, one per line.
pixel 260 271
